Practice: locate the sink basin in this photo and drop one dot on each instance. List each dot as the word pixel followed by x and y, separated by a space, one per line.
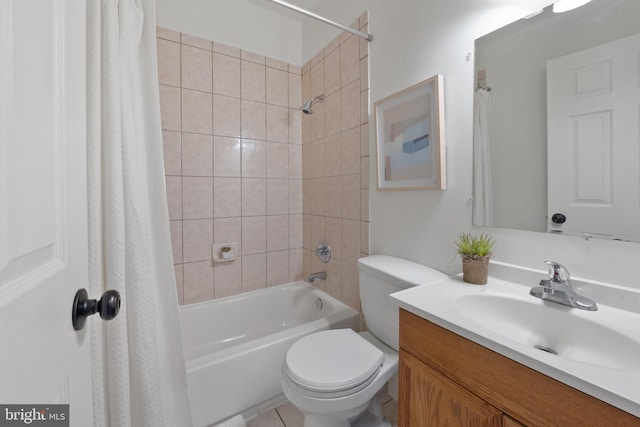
pixel 568 333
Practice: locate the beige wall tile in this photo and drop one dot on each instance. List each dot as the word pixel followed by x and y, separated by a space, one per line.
pixel 333 235
pixel 334 204
pixel 317 122
pixel 252 81
pixel 318 196
pixel 196 41
pixel 307 160
pixel 226 156
pixel 351 105
pixel 364 237
pixel 277 89
pixel 176 241
pixel 351 151
pixel 364 107
pixel 332 72
pixel 198 282
pixel 174 196
pixel 295 90
pixel 316 82
pixel 350 60
pixel 197 239
pixel 253 57
pixel 317 230
pixel 306 264
pixel 227 197
pixel 167 34
pixel 226 50
pixel 226 116
pixel 280 65
pixel 254 272
pixel 197 197
pixel 277 196
pixel 253 116
pixel 295 196
pixel 332 114
pixel 334 278
pixel 306 232
pixel 295 265
pixel 364 205
pixel 364 19
pixel 364 44
pixel 295 69
pixel 364 172
pixel 172 150
pixel 226 75
pixel 168 62
pixel 277 160
pixel 196 111
pixel 317 158
pixel 170 107
pixel 316 267
pixel 228 230
pixel 277 268
pixel 295 126
pixel 228 278
pixel 306 196
pixel 350 241
pixel 254 235
pixel 277 233
pixel 295 231
pixel 317 58
pixel 295 161
pixel 254 196
pixel 196 68
pixel 333 155
pixel 350 291
pixel 197 155
pixel 306 87
pixel 254 159
pixel 333 45
pixel 351 195
pixel 364 140
pixel 364 73
pixel 277 123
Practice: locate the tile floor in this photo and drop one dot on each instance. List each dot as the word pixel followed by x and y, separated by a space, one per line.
pixel 287 415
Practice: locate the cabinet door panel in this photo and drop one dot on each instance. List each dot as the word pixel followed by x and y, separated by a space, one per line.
pixel 431 399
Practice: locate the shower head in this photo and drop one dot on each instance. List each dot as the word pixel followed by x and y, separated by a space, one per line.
pixel 306 107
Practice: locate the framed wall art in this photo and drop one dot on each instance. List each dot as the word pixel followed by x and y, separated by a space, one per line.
pixel 410 144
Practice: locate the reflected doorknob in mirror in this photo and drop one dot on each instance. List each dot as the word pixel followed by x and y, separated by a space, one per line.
pixel 108 306
pixel 558 218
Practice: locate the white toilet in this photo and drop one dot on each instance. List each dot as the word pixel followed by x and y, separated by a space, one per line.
pixel 333 376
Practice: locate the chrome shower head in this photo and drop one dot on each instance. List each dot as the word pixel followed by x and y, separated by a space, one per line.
pixel 306 107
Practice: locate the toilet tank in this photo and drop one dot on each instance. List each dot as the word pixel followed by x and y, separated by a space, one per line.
pixel 381 275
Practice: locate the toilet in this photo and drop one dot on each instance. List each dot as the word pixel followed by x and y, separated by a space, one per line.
pixel 334 377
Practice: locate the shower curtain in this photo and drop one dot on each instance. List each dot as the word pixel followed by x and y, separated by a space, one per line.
pixel 138 367
pixel 482 194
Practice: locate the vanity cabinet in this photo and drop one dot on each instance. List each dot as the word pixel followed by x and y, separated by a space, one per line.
pixel 448 380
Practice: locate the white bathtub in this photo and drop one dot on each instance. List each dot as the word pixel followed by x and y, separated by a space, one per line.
pixel 234 347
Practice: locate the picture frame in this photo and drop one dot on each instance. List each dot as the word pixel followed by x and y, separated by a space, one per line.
pixel 410 143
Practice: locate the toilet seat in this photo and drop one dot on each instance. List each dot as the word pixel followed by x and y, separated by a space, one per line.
pixel 332 363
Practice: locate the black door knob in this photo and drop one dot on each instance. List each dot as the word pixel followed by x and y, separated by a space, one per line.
pixel 108 306
pixel 558 218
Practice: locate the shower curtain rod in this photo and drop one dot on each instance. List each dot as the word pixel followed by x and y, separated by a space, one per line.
pixel 365 36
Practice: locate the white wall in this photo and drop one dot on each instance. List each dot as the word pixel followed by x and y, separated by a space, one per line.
pixel 253 25
pixel 413 40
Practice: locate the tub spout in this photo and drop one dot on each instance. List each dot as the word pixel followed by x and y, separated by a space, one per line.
pixel 321 275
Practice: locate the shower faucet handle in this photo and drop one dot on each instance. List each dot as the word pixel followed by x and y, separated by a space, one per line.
pixel 323 250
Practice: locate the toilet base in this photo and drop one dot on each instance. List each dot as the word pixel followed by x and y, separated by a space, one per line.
pixel 372 416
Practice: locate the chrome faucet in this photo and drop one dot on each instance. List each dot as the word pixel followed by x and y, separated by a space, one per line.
pixel 558 288
pixel 321 275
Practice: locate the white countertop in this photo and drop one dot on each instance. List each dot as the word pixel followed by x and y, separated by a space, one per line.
pixel 618 386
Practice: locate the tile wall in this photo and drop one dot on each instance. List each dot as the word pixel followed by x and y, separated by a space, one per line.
pixel 232 139
pixel 335 162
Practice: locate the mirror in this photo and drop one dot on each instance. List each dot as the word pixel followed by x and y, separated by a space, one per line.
pixel 550 137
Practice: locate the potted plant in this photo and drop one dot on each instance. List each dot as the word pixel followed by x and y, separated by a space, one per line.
pixel 225 252
pixel 475 252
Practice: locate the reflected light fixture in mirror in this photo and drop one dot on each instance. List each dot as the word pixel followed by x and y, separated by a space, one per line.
pixel 567 5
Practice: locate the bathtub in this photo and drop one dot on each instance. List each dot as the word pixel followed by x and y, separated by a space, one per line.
pixel 234 347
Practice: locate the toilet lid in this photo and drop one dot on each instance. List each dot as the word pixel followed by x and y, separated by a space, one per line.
pixel 332 360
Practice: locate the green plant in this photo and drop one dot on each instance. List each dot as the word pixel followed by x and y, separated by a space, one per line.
pixel 475 247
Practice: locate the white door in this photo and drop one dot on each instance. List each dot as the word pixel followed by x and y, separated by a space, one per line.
pixel 593 100
pixel 43 226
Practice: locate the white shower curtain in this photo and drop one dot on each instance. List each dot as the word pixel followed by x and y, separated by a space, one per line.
pixel 138 366
pixel 482 190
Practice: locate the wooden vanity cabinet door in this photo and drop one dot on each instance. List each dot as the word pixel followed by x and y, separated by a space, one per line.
pixel 428 398
pixel 507 421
